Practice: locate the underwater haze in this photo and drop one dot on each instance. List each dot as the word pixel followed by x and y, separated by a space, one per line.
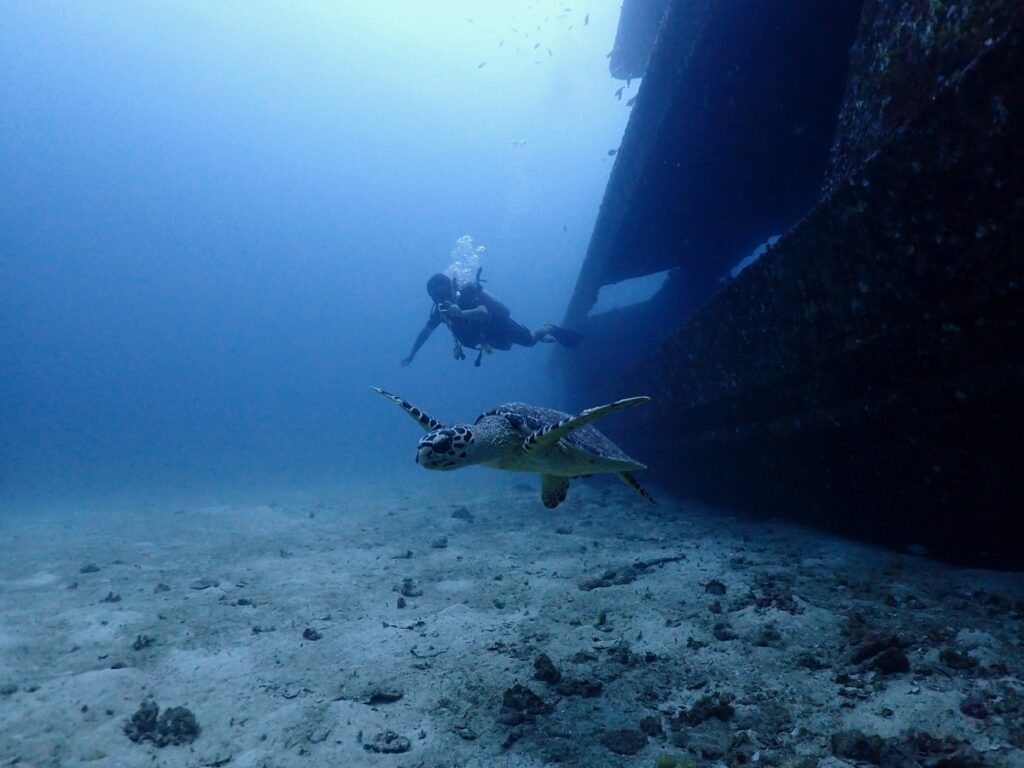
pixel 219 218
pixel 221 546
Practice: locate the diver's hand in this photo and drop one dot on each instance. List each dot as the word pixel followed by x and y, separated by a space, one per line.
pixel 453 311
pixel 406 361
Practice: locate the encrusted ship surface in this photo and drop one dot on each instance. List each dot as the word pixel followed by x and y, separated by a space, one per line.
pixel 867 372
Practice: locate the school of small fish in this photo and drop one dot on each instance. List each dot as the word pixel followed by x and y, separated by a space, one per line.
pixel 562 15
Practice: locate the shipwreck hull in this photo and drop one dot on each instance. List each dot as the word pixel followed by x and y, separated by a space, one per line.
pixel 867 373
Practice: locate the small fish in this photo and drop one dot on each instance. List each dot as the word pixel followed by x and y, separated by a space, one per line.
pixel 618 94
pixel 550 53
pixel 469 20
pixel 631 102
pixel 481 65
pixel 518 49
pixel 565 228
pixel 586 20
pixel 536 46
pixel 502 43
pixel 611 152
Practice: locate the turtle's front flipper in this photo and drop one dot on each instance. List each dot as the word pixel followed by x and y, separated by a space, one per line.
pixel 628 479
pixel 554 432
pixel 553 490
pixel 421 418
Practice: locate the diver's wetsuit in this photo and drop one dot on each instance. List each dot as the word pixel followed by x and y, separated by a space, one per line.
pixel 498 331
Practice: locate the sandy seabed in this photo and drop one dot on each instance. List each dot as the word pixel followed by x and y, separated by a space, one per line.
pixel 374 627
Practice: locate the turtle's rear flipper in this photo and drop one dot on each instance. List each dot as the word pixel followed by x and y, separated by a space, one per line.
pixel 564 336
pixel 628 479
pixel 427 422
pixel 554 432
pixel 553 490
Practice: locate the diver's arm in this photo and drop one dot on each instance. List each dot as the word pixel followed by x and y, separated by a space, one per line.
pixel 420 341
pixel 476 315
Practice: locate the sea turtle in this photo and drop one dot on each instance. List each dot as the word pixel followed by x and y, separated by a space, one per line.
pixel 527 438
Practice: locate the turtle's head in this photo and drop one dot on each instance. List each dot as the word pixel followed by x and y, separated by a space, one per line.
pixel 447 448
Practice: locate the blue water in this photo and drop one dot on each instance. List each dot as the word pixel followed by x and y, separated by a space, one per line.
pixel 218 219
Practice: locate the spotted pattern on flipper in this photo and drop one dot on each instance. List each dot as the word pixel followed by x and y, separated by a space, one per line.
pixel 632 482
pixel 531 441
pixel 421 418
pixel 555 431
pixel 553 490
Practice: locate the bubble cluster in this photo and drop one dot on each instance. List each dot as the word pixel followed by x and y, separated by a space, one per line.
pixel 465 260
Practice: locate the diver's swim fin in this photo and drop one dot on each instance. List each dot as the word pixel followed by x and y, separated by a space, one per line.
pixel 564 336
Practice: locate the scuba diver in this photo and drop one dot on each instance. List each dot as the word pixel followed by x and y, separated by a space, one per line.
pixel 479 321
